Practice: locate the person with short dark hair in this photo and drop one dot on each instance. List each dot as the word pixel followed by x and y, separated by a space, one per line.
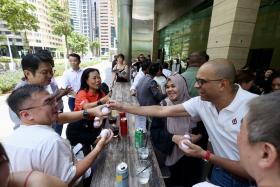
pixel 165 69
pixel 258 140
pixel 72 78
pixel 35 145
pixel 38 69
pixel 246 80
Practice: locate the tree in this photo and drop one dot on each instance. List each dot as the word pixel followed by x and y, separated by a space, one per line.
pixel 18 15
pixel 60 19
pixel 78 43
pixel 95 46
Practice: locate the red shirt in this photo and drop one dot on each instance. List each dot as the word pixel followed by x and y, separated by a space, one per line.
pixel 86 96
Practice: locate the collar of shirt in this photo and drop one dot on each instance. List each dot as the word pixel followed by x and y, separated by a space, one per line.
pixel 76 70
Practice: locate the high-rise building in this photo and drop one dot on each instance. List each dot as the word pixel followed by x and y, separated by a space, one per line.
pixel 107 29
pixel 84 17
pixel 43 38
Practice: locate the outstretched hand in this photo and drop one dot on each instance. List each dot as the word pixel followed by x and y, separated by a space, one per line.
pixel 114 105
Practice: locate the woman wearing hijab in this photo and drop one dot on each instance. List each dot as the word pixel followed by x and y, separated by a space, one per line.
pixel 182 168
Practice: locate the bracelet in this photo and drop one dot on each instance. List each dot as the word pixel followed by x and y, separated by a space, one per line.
pixel 207 156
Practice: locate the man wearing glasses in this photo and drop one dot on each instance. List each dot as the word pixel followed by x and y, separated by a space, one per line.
pixel 221 106
pixel 35 145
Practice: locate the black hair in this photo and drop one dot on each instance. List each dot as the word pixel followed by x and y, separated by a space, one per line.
pixel 145 65
pixel 31 62
pixel 154 68
pixel 121 55
pixel 76 56
pixel 20 95
pixel 3 153
pixel 84 78
pixel 165 65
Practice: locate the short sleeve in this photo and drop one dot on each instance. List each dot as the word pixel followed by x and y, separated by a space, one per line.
pixel 192 106
pixel 58 160
pixel 81 98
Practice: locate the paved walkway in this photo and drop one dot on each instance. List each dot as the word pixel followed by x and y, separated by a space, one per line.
pixel 6 125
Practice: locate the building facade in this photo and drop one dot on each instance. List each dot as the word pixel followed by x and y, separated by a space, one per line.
pixel 43 38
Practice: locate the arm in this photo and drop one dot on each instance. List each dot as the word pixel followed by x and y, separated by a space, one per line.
pixel 103 100
pixel 155 110
pixel 68 117
pixel 231 166
pixel 83 165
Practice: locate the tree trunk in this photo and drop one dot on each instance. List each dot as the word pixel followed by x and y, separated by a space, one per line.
pixel 66 43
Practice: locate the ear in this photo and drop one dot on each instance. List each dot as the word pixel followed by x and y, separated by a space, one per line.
pixel 27 73
pixel 269 155
pixel 25 116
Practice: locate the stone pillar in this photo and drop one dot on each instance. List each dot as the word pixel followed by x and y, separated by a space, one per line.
pixel 125 28
pixel 155 43
pixel 231 29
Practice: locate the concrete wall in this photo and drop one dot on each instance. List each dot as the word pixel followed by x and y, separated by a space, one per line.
pixel 169 10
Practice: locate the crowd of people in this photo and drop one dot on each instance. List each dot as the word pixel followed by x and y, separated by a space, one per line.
pixel 208 112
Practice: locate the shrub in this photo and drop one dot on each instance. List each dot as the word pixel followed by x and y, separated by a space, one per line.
pixel 8 80
pixel 5 59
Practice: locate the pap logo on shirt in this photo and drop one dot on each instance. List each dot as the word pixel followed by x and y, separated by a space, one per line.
pixel 234 121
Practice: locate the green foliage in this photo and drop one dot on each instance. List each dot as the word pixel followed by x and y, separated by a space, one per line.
pixel 95 46
pixel 18 15
pixel 60 19
pixel 78 43
pixel 8 80
pixel 4 59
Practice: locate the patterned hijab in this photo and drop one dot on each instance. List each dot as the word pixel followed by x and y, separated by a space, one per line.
pixel 178 125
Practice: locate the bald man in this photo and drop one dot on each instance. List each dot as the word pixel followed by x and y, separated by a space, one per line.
pixel 221 106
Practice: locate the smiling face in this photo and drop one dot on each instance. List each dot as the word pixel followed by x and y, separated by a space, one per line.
pixel 42 76
pixel 41 108
pixel 171 91
pixel 94 80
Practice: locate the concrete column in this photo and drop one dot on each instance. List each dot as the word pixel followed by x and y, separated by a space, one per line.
pixel 231 29
pixel 155 43
pixel 125 28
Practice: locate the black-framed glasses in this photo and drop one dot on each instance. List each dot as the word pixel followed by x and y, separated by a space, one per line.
pixel 200 82
pixel 48 102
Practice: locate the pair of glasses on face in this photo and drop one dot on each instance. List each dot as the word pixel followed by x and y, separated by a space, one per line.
pixel 200 82
pixel 48 102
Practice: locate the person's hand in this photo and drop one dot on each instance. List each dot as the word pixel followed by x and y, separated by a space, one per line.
pixel 191 149
pixel 133 92
pixel 114 105
pixel 62 92
pixel 105 99
pixel 177 138
pixel 103 141
pixel 97 111
pixel 195 137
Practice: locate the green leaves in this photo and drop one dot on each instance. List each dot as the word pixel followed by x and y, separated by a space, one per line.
pixel 78 43
pixel 18 15
pixel 60 19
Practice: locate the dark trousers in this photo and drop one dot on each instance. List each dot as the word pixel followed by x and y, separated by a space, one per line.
pixel 71 103
pixel 223 178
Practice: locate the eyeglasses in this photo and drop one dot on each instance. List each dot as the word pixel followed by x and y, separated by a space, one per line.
pixel 48 102
pixel 200 82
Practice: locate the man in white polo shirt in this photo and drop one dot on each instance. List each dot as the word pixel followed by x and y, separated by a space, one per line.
pixel 221 106
pixel 72 78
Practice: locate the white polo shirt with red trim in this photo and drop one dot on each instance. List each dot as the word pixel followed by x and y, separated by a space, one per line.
pixel 222 127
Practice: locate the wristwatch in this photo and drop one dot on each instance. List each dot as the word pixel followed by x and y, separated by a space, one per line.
pixel 85 114
pixel 99 102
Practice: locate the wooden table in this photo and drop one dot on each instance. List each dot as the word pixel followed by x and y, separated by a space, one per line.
pixel 123 150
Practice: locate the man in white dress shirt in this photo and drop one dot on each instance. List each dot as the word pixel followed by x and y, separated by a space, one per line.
pixel 36 146
pixel 72 78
